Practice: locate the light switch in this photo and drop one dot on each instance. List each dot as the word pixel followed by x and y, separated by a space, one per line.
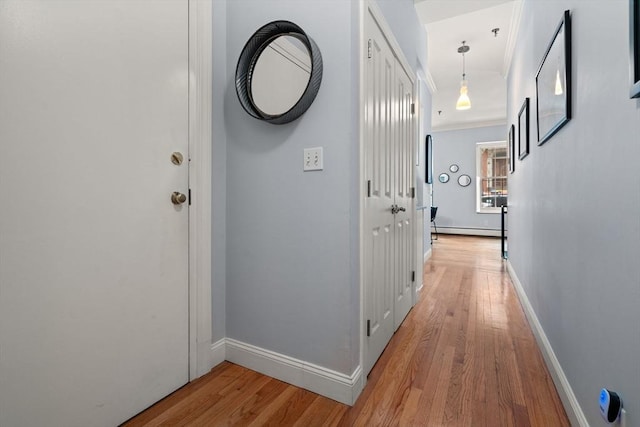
pixel 313 159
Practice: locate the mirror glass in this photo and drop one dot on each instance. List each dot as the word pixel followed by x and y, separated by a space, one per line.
pixel 464 180
pixel 280 75
pixel 444 177
pixel 454 168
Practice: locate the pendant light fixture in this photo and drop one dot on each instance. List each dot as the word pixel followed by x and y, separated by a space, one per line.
pixel 464 103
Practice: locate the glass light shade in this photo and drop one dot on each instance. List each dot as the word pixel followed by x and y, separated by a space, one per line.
pixel 464 103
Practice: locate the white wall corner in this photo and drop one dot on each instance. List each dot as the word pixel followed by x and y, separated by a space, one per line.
pixel 326 382
pixel 569 400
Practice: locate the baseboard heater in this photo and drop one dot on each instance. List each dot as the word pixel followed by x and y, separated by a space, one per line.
pixel 489 232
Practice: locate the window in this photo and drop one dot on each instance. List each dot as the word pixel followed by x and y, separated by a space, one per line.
pixel 492 166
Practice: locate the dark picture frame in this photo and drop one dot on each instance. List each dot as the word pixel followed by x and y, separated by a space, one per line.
pixel 512 149
pixel 428 171
pixel 634 47
pixel 553 83
pixel 523 130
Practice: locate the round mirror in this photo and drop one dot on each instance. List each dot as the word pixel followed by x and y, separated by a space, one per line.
pixel 280 76
pixel 279 73
pixel 454 168
pixel 444 177
pixel 464 180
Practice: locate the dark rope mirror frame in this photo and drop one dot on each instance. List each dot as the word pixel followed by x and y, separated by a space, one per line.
pixel 249 57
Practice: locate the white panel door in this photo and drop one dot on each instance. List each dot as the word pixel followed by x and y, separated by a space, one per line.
pixel 379 170
pixel 404 255
pixel 389 207
pixel 93 254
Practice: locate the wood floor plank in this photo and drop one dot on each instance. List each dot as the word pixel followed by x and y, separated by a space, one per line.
pixel 286 409
pixel 464 356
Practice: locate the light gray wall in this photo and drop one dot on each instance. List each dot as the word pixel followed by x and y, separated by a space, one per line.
pixel 291 259
pixel 292 238
pixel 456 204
pixel 411 36
pixel 574 207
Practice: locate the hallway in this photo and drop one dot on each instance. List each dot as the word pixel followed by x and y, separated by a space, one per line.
pixel 464 356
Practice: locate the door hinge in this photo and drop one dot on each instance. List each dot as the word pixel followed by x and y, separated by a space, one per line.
pixel 413 108
pixel 369 49
pixel 413 276
pixel 189 197
pixel 369 188
pixel 413 192
pixel 368 328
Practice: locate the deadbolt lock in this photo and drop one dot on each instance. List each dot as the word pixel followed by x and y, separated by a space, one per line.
pixel 177 158
pixel 178 198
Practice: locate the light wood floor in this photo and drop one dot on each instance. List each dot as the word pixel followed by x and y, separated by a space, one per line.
pixel 464 356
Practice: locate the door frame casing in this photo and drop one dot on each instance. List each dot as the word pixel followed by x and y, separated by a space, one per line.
pixel 366 7
pixel 200 186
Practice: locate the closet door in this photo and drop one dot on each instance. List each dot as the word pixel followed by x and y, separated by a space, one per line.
pixel 379 268
pixel 404 230
pixel 389 204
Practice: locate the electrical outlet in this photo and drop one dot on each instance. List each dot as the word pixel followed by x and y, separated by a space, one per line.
pixel 313 160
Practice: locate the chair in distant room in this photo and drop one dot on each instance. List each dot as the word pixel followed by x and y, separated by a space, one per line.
pixel 434 211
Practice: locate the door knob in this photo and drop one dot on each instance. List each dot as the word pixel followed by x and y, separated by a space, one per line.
pixel 178 198
pixel 395 209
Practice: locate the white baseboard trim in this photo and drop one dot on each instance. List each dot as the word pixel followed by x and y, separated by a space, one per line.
pixel 468 231
pixel 427 254
pixel 334 385
pixel 218 352
pixel 569 401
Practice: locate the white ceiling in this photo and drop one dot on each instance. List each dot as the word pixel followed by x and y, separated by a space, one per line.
pixel 448 23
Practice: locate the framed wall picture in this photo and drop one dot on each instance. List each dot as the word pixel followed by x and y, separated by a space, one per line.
pixel 523 130
pixel 512 149
pixel 553 83
pixel 429 160
pixel 634 47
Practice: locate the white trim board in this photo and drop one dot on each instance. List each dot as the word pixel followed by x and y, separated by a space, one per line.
pixel 326 382
pixel 425 257
pixel 361 161
pixel 200 110
pixel 514 29
pixel 487 232
pixel 470 125
pixel 377 15
pixel 569 401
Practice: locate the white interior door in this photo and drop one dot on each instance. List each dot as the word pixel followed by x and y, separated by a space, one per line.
pixel 379 221
pixel 93 254
pixel 404 196
pixel 388 151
